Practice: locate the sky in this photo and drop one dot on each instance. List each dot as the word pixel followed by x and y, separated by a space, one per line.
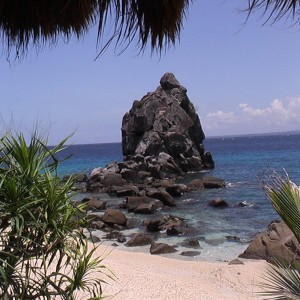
pixel 242 76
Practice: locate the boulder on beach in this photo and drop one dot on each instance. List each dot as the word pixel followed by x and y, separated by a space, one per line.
pixel 275 243
pixel 161 248
pixel 114 217
pixel 140 239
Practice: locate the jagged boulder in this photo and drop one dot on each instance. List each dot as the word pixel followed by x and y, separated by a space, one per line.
pixel 164 124
pixel 277 242
pixel 161 248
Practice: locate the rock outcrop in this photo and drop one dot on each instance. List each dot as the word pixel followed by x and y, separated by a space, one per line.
pixel 164 125
pixel 277 242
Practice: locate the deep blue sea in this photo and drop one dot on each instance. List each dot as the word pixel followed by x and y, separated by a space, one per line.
pixel 243 162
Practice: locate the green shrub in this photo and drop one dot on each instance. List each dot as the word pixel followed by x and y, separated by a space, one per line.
pixel 43 251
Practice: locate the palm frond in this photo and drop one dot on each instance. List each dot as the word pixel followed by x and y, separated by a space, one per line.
pixel 275 10
pixel 281 282
pixel 285 198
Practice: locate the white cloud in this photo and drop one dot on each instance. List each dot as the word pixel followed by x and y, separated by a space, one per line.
pixel 280 115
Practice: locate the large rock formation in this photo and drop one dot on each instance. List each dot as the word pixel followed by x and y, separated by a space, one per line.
pixel 165 121
pixel 276 243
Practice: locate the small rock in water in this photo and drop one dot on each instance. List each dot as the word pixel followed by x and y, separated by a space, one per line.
pixel 174 231
pixel 191 244
pixel 190 253
pixel 231 238
pixel 121 239
pixel 218 202
pixel 215 241
pixel 243 204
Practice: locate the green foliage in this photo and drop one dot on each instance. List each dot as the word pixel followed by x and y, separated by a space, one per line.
pixel 43 251
pixel 285 198
pixel 282 280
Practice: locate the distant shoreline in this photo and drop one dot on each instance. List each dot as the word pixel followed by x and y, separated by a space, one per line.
pixel 280 133
pixel 294 132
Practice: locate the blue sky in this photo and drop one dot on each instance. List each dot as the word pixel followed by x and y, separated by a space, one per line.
pixel 243 78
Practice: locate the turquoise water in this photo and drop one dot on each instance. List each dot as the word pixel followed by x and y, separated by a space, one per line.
pixel 243 162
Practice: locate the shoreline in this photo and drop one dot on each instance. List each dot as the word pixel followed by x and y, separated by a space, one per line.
pixel 208 253
pixel 144 276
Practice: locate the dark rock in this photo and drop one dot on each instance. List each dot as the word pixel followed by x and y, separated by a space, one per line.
pixel 139 239
pixel 163 183
pixel 175 230
pixel 112 179
pixel 125 193
pixel 277 242
pixel 98 225
pixel 161 248
pixel 134 202
pixel 208 160
pixel 176 190
pixel 243 204
pixel 129 175
pixel 127 190
pixel 172 222
pixel 190 253
pixel 113 235
pixel 95 204
pixel 145 209
pixel 154 224
pixel 169 82
pixel 165 123
pixel 142 175
pixel 164 197
pixel 94 186
pixel 114 216
pixel 94 238
pixel 114 245
pixel 213 182
pixel 196 184
pixel 191 244
pixel 196 162
pixel 236 239
pixel 118 227
pixel 218 202
pixel 236 262
pixel 139 159
pixel 121 239
pixel 133 223
pixel 94 217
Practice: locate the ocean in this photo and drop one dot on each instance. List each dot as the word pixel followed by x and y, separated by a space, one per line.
pixel 243 162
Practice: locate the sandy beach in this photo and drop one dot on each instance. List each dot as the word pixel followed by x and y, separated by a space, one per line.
pixel 143 276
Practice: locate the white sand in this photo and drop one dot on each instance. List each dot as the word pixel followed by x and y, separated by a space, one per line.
pixel 143 276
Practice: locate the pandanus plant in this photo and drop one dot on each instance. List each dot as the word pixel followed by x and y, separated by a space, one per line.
pixel 44 253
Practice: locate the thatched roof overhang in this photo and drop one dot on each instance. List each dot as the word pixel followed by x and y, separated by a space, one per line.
pixel 38 22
